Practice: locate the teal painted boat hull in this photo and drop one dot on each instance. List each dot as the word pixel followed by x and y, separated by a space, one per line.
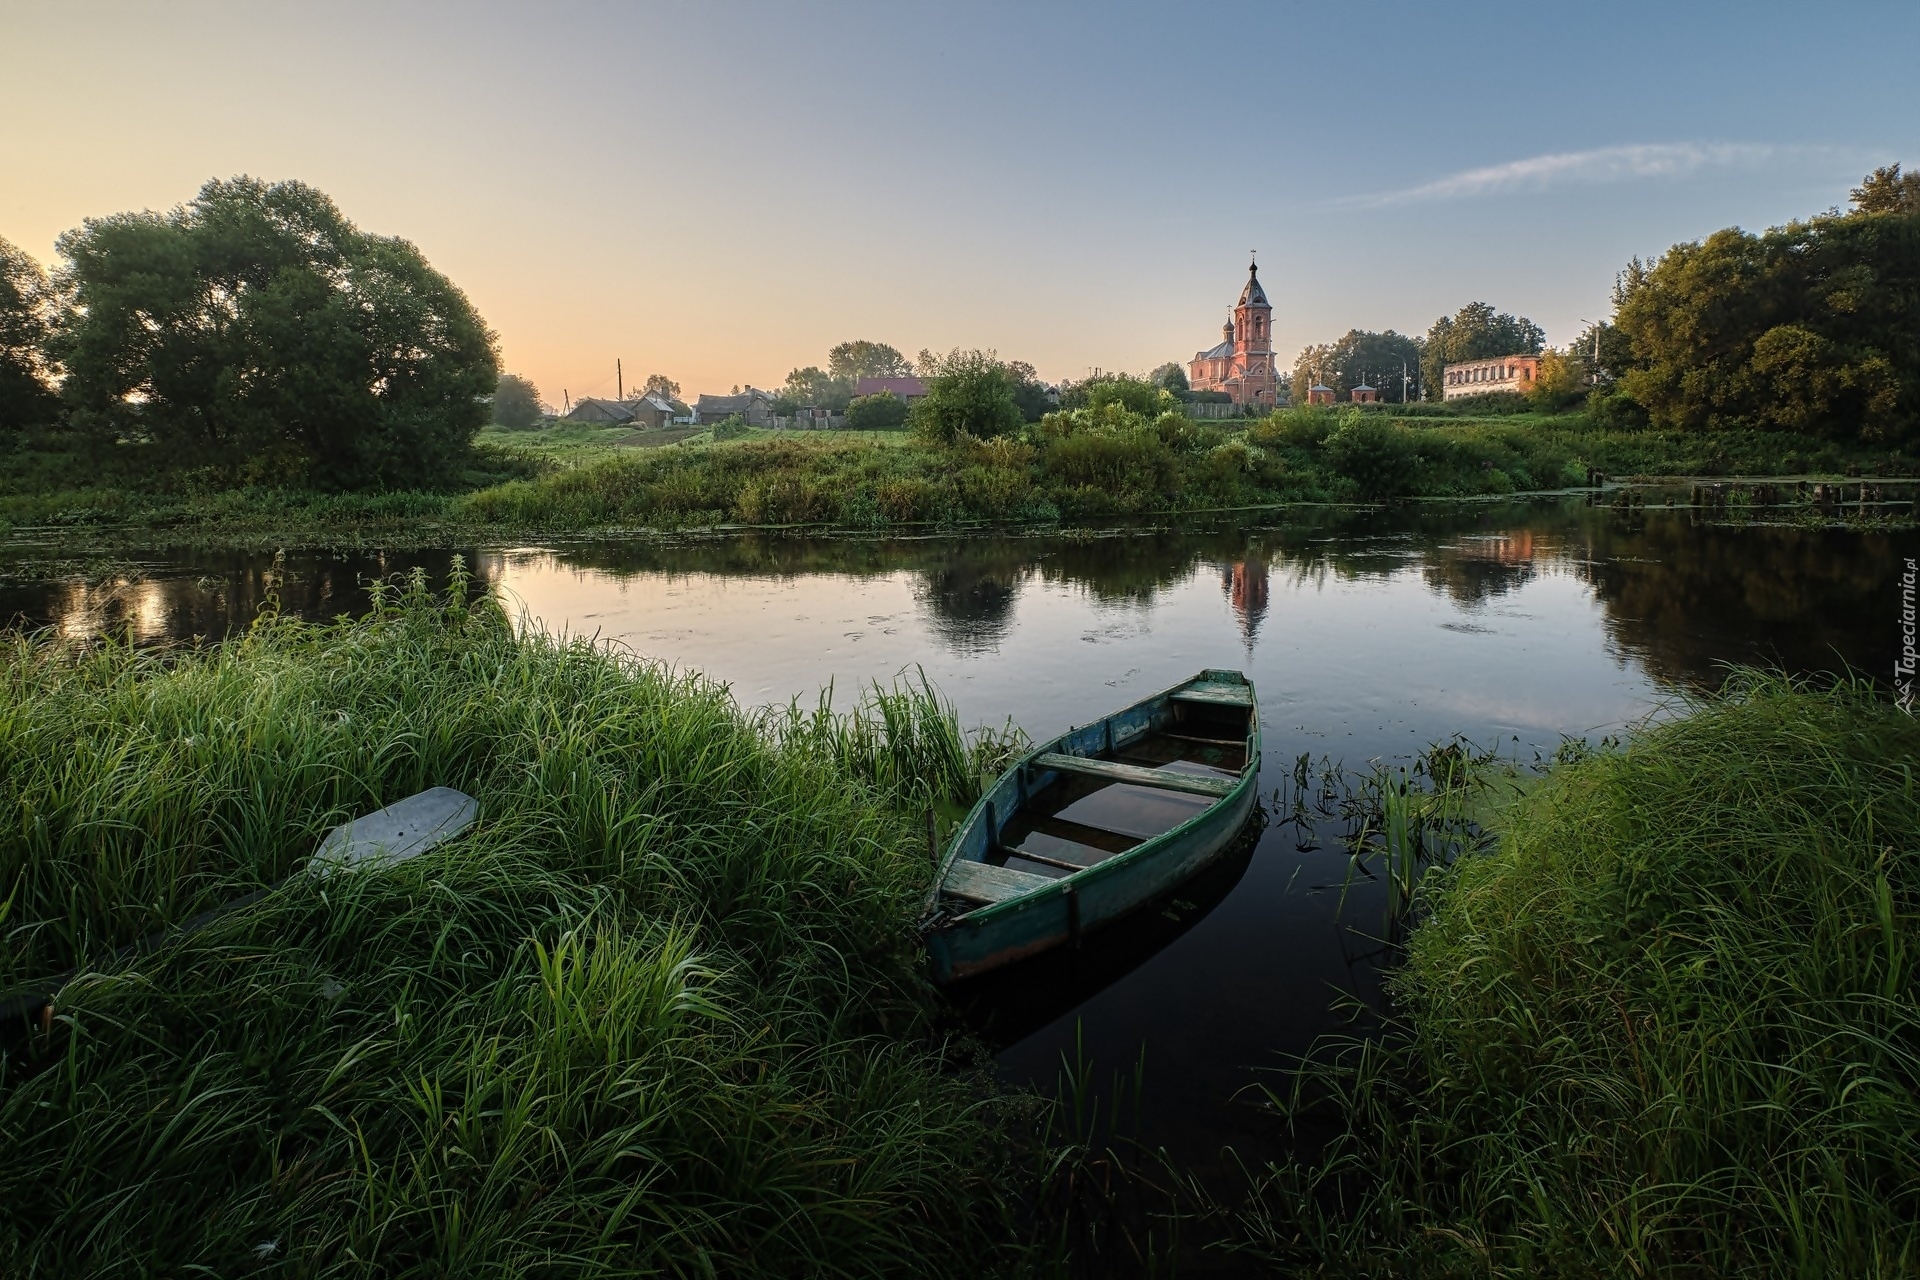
pixel 962 942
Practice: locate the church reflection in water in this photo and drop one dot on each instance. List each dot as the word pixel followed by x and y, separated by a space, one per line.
pixel 1680 596
pixel 1245 582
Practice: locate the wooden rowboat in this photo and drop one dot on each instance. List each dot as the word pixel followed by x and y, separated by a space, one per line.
pixel 1099 821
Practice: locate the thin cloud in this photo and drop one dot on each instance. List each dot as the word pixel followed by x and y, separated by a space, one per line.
pixel 1600 165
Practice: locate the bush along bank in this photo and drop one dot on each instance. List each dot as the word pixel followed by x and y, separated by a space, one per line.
pixel 1110 461
pixel 659 1012
pixel 1669 1027
pixel 1076 466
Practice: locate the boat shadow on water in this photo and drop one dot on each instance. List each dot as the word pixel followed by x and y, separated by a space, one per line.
pixel 1006 1005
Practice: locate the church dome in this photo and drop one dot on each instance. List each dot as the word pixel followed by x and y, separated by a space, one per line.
pixel 1253 294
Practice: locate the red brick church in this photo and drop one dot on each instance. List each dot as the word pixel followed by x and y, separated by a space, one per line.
pixel 1242 366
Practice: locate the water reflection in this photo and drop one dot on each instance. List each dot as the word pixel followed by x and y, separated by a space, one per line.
pixel 1678 596
pixel 181 595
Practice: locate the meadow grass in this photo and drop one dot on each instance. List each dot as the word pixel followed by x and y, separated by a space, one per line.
pixel 1669 1026
pixel 659 1013
pixel 1080 466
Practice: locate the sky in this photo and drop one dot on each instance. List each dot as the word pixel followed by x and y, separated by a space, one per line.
pixel 721 191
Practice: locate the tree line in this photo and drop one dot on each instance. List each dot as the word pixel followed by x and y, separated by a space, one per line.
pixel 1811 328
pixel 254 335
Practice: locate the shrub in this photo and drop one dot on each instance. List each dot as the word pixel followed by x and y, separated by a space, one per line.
pixel 970 393
pixel 1377 456
pixel 882 412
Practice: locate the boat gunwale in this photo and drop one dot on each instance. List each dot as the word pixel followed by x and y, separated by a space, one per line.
pixel 1249 772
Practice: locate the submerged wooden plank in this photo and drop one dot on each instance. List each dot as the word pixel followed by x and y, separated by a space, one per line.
pixel 1114 771
pixel 983 883
pixel 400 831
pixel 1215 696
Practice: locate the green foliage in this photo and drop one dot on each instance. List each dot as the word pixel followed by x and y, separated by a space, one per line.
pixel 851 361
pixel 1886 190
pixel 27 310
pixel 1475 332
pixel 1563 382
pixel 516 402
pixel 882 412
pixel 1667 1029
pixel 258 332
pixel 1377 456
pixel 1808 328
pixel 1170 376
pixel 1380 357
pixel 733 427
pixel 815 388
pixel 1137 395
pixel 969 393
pixel 1491 404
pixel 659 1013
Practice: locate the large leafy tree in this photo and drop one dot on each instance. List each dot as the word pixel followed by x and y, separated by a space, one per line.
pixel 1813 327
pixel 815 387
pixel 852 361
pixel 26 324
pixel 659 384
pixel 516 402
pixel 1379 358
pixel 1476 332
pixel 257 331
pixel 1887 190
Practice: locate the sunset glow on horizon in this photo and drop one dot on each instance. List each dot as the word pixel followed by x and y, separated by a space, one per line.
pixel 720 192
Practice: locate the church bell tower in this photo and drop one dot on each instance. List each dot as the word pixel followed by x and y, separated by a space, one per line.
pixel 1253 343
pixel 1253 324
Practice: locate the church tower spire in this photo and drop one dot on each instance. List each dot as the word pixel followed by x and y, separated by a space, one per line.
pixel 1252 326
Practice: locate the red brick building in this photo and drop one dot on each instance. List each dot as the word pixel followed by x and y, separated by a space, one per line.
pixel 1242 365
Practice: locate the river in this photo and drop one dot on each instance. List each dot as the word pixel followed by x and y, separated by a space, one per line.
pixel 1369 635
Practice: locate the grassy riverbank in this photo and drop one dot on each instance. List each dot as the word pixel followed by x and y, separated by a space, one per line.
pixel 660 1011
pixel 1671 1027
pixel 1088 466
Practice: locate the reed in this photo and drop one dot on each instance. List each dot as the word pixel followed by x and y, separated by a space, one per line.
pixel 1669 1027
pixel 658 1013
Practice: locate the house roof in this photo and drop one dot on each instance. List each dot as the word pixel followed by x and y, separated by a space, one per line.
pixel 657 401
pixel 1220 352
pixel 592 407
pixel 905 388
pixel 710 404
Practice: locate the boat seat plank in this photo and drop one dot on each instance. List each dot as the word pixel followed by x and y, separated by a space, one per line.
pixel 1114 771
pixel 1098 841
pixel 1215 697
pixel 987 884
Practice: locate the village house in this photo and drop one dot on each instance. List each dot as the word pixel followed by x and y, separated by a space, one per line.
pixel 754 405
pixel 908 389
pixel 1481 377
pixel 1242 364
pixel 647 411
pixel 608 412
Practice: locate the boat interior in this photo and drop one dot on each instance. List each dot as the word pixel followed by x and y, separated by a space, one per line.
pixel 1113 786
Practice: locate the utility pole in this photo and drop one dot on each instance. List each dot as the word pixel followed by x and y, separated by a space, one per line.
pixel 619 382
pixel 566 400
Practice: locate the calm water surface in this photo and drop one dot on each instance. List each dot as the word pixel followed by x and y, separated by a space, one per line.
pixel 1368 635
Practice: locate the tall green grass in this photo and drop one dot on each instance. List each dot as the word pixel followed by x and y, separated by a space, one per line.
pixel 658 1013
pixel 1671 1027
